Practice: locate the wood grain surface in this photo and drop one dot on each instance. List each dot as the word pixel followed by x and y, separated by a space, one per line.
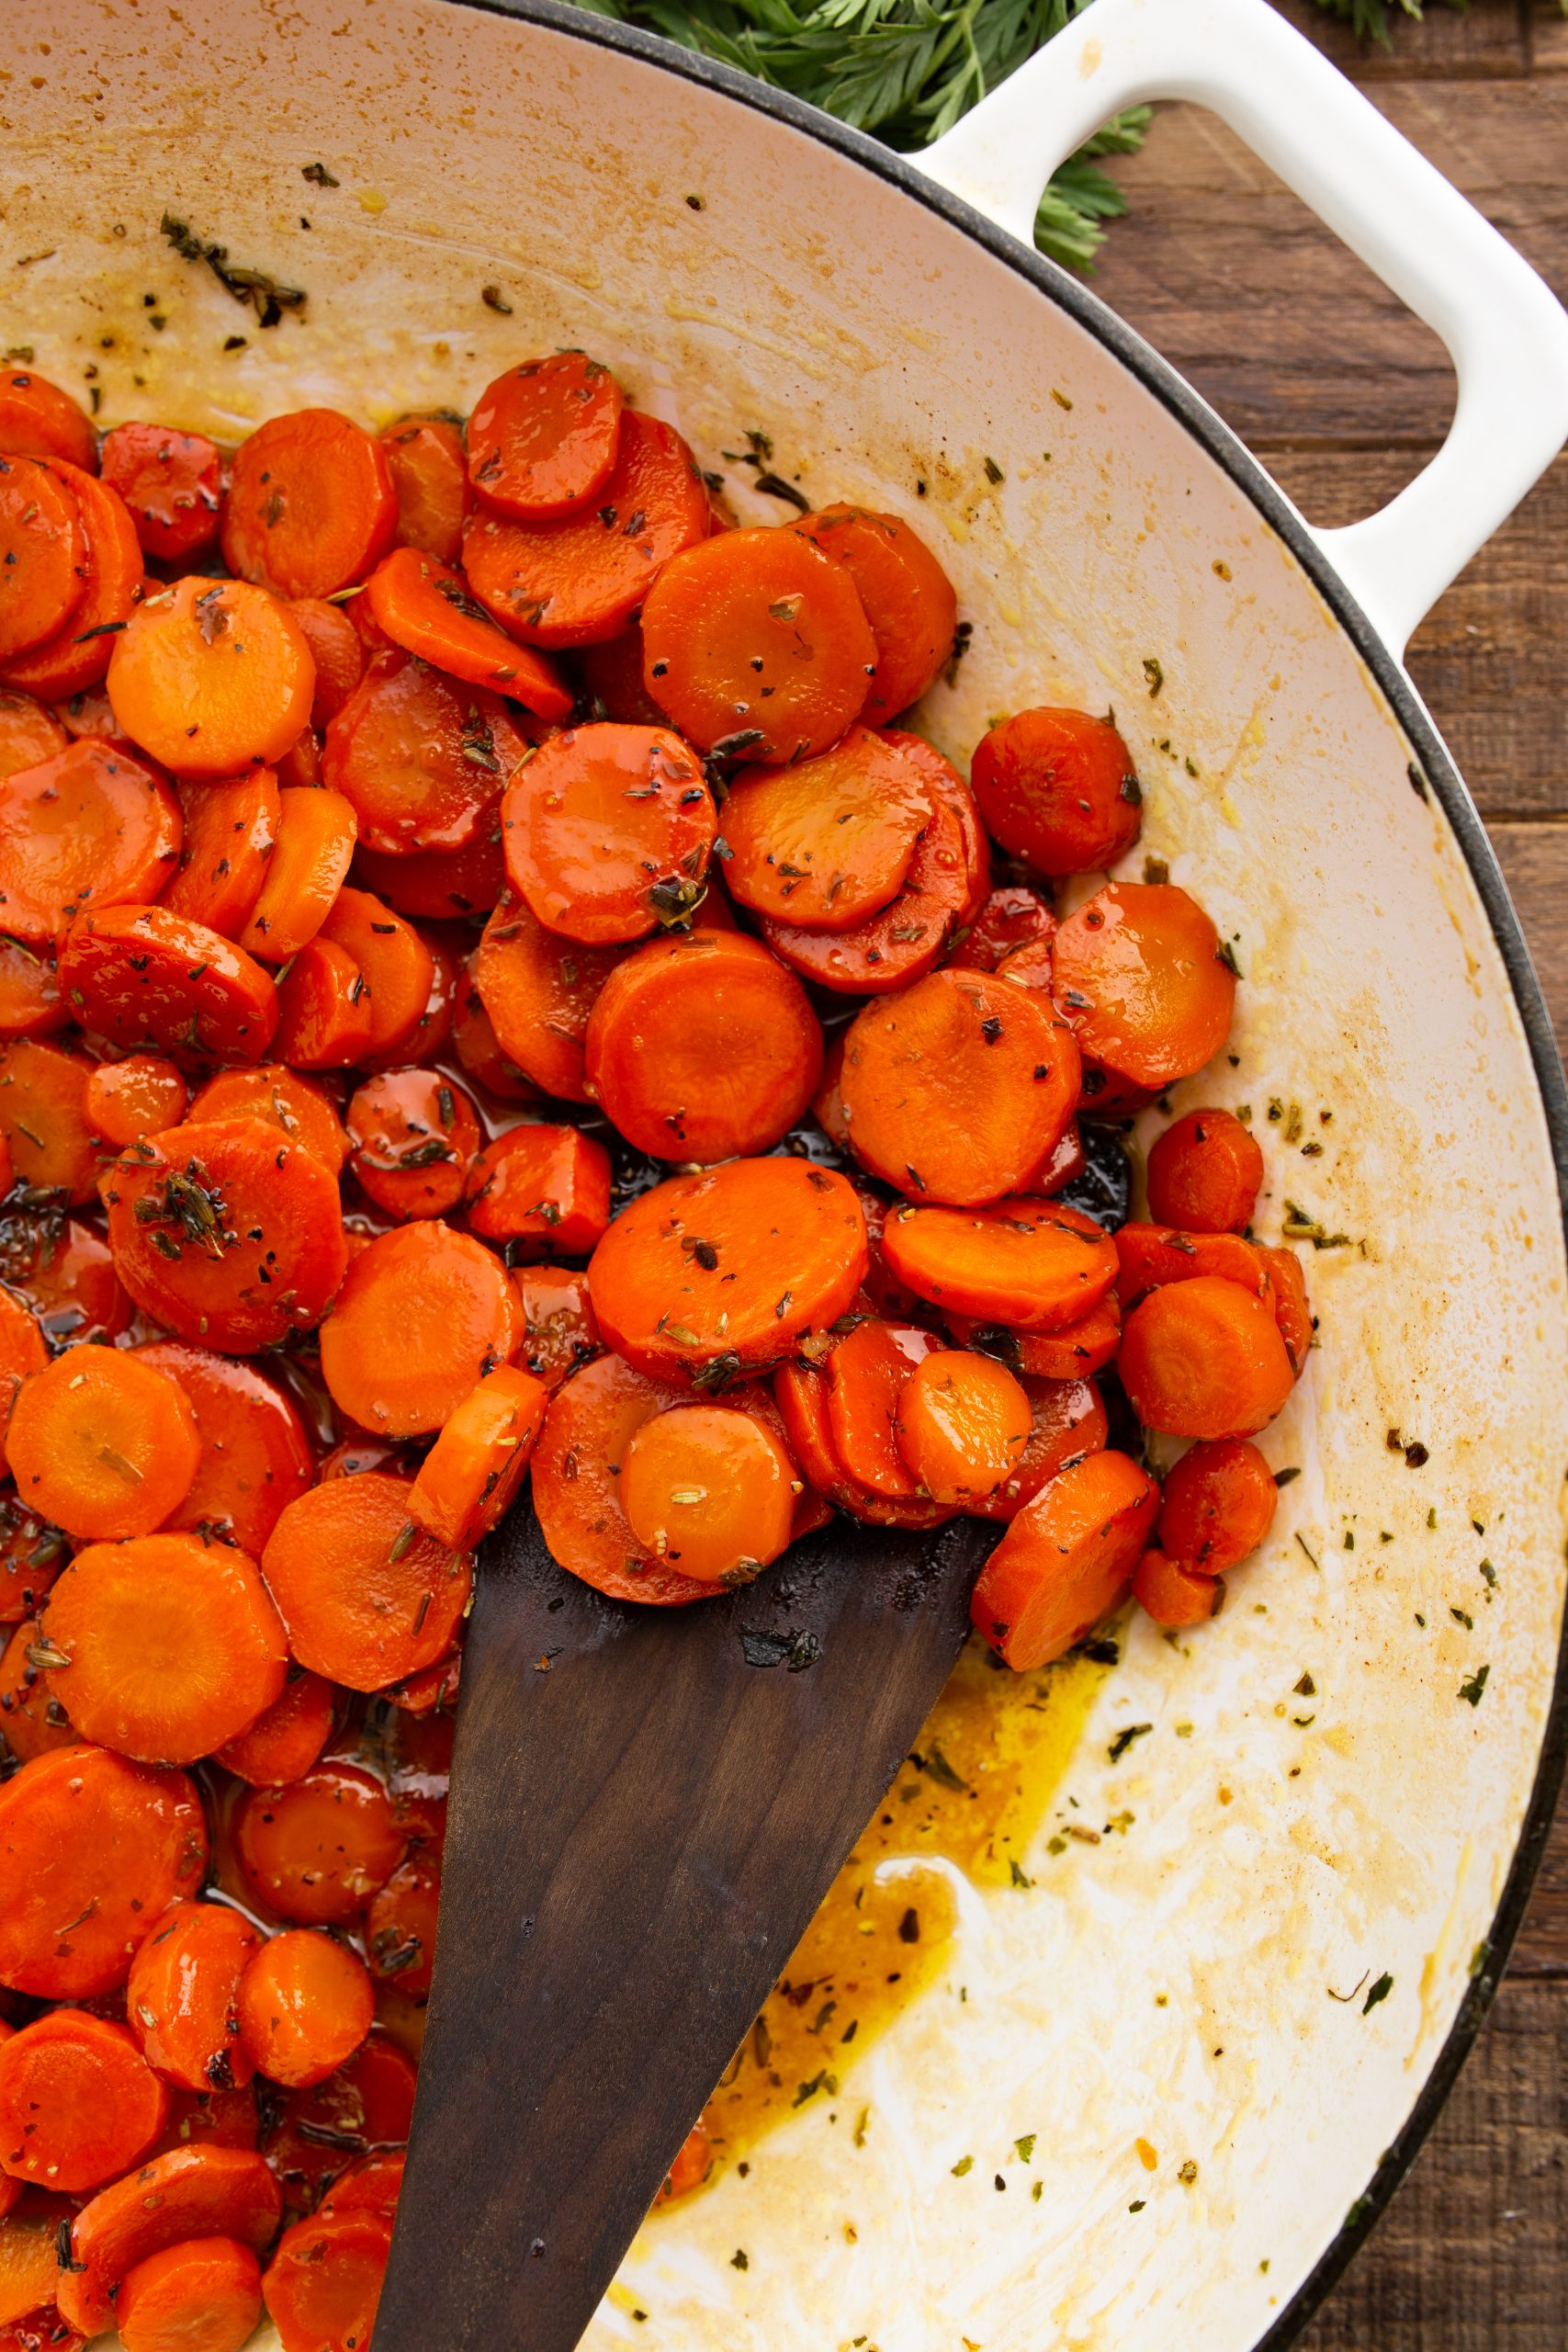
pixel 1344 395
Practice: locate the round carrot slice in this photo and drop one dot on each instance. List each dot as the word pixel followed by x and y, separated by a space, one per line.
pixel 366 2104
pixel 281 1098
pixel 1059 789
pixel 962 1424
pixel 92 1849
pixel 825 842
pixel 426 607
pixel 1175 1595
pixel 230 831
pixel 316 1850
pixel 205 2290
pixel 305 2004
pixel 413 1136
pixel 867 1374
pixel 1067 1420
pixel 708 1493
pixel 709 1274
pixel 1291 1310
pixel 180 1994
pixel 37 419
pixel 210 675
pixel 607 833
pixel 255 1454
pixel 286 1740
pixel 189 2193
pixel 29 992
pixel 396 964
pixel 79 654
pixel 560 1328
pixel 226 1232
pixel 576 1471
pixel 94 826
pixel 32 1554
pixel 544 437
pixel 367 1597
pixel 478 1049
pixel 29 2266
pixel 324 1008
pixel 757 642
pixel 29 733
pixel 43 1117
pixel 311 505
pixel 421 757
pixel 314 845
pixel 172 484
pixel 399 1943
pixel 959 1089
pixel 1140 973
pixel 430 475
pixel 452 1294
pixel 1199 1359
pixel 133 1098
pixel 908 600
pixel 1147 1255
pixel 703 1048
pixel 1218 1506
pixel 145 977
pixel 1066 1560
pixel 32 1721
pixel 103 1444
pixel 22 1352
pixel 43 555
pixel 335 648
pixel 78 2101
pixel 801 1394
pixel 1204 1173
pixel 580 579
pixel 540 990
pixel 545 1188
pixel 1014 915
pixel 1035 1265
pixel 441 884
pixel 472 1475
pixel 1071 1352
pixel 324 2281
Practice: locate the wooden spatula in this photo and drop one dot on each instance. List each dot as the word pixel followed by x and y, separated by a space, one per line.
pixel 647 1806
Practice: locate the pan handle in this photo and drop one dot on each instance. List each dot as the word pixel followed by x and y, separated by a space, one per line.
pixel 1506 333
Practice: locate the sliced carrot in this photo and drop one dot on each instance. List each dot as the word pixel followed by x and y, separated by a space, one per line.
pixel 709 1493
pixel 1219 1505
pixel 31 1554
pixel 413 1136
pixel 1203 1358
pixel 1291 1310
pixel 230 832
pixel 1059 789
pixel 867 1374
pixel 366 2104
pixel 281 1098
pixel 255 1454
pixel 189 2193
pixel 30 2266
pixel 316 1850
pixel 78 2101
pixel 286 1740
pixel 1204 1172
pixel 1175 1595
pixel 1142 976
pixel 430 476
pixel 366 1597
pixel 92 1849
pixel 607 833
pixel 311 505
pixel 433 1689
pixel 37 418
pixel 103 1444
pixel 544 437
pixel 575 1473
pixel 89 712
pixel 143 975
pixel 172 484
pixel 305 2004
pixel 478 1048
pixel 32 1721
pixel 1066 1560
pixel 1035 1265
pixel 426 607
pixel 316 833
pixel 441 883
pixel 421 757
pixel 802 1395
pixel 324 2281
pixel 23 1354
pixel 1014 915
pixel 212 675
pixel 1067 1420
pixel 226 1232
pixel 337 651
pixel 372 2184
pixel 757 642
pixel 827 1103
pixel 133 1098
pixel 399 1944
pixel 546 1189
pixel 423 1314
pixel 825 842
pixel 1147 1255
pixel 959 1089
pixel 210 2119
pixel 29 733
pixel 205 2290
pixel 579 580
pixel 94 826
pixel 1071 1352
pixel 43 555
pixel 538 990
pixel 612 676
pixel 963 1423
pixel 179 1997
pixel 472 1475
pixel 711 1275
pixel 43 1117
pixel 908 600
pixel 300 768
pixel 29 992
pixel 703 1048
pixel 79 655
pixel 396 964
pixel 324 1008
pixel 560 1329
pixel 64 1271
pixel 693 2162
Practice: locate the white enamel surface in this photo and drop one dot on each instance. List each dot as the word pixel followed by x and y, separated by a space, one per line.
pixel 878 346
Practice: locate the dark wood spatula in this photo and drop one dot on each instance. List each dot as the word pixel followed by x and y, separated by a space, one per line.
pixel 647 1806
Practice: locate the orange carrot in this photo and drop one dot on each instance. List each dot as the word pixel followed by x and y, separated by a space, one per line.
pixel 43 1118
pixel 311 505
pixel 32 1721
pixel 709 1493
pixel 211 677
pixel 430 475
pixel 204 2290
pixel 39 420
pixel 367 1597
pixel 1142 974
pixel 396 964
pixel 1204 1359
pixel 305 2004
pixel 607 833
pixel 324 1016
pixel 92 826
pixel 576 1471
pixel 538 991
pixel 867 1374
pixel 43 555
pixel 1067 1420
pixel 1059 789
pixel 29 733
pixel 286 1740
pixel 1175 1595
pixel 230 832
pixel 172 484
pixel 1035 1265
pixel 399 1944
pixel 78 2101
pixel 908 598
pixel 421 757
pixel 441 883
pixel 1147 1255
pixel 544 437
pixel 424 606
pixel 102 1444
pixel 23 1354
pixel 963 1424
pixel 281 1098
pixel 143 975
pixel 370 2099
pixel 1203 1173
pixel 316 833
pixel 1291 1310
pixel 423 1314
pixel 31 1554
pixel 560 1331
pixel 1066 1560
pixel 190 2193
pixel 825 842
pixel 470 1477
pixel 414 1135
pixel 179 1996
pixel 79 654
pixel 1071 1352
pixel 335 648
pixel 324 2281
pixel 612 676
pixel 316 1850
pixel 1014 915
pixel 546 1189
pixel 133 1098
pixel 1218 1506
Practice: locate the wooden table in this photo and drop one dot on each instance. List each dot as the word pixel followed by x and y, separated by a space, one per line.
pixel 1343 395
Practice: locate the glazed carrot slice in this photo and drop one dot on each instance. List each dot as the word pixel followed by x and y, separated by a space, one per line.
pixel 372 2184
pixel 255 1454
pixel 400 1945
pixel 305 2004
pixel 324 1019
pixel 205 2289
pixel 710 1275
pixel 87 1839
pixel 867 1374
pixel 189 2193
pixel 311 505
pixel 703 1048
pixel 30 2265
pixel 396 964
pixel 1067 1420
pixel 826 841
pixel 1174 1594
pixel 230 831
pixel 23 1354
pixel 908 600
pixel 424 1314
pixel 210 675
pixel 1218 1506
pixel 226 1232
pixel 143 975
pixel 29 733
pixel 607 833
pixel 560 1329
pixel 1204 1173
pixel 426 607
pixel 1066 1560
pixel 103 1444
pixel 210 2119
pixel 472 1475
pixel 540 990
pixel 32 1721
pixel 179 1997
pixel 29 992
pixel 1059 789
pixel 578 580
pixel 336 650
pixel 316 1850
pixel 478 1048
pixel 1291 1310
pixel 575 1473
pixel 367 1597
pixel 802 1396
pixel 1035 1265
pixel 693 2162
pixel 64 1269
pixel 316 833
pixel 93 826
pixel 959 1089
pixel 757 642
pixel 135 1097
pixel 37 418
pixel 172 484
pixel 79 655
pixel 1014 915
pixel 281 1098
pixel 963 1423
pixel 1071 1352
pixel 421 757
pixel 1147 1255
pixel 43 555
pixel 1140 973
pixel 546 1189
pixel 431 1690
pixel 286 1740
pixel 544 437
pixel 612 676
pixel 78 2101
pixel 441 883
pixel 709 1493
pixel 366 2104
pixel 430 475
pixel 324 2281
pixel 31 1556
pixel 43 1118
pixel 1203 1358
pixel 413 1136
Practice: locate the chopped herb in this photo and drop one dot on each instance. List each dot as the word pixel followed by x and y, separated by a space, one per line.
pixel 1470 1690
pixel 1154 674
pixel 319 175
pixel 264 293
pixel 1377 1992
pixel 1124 1738
pixel 493 300
pixel 964 2164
